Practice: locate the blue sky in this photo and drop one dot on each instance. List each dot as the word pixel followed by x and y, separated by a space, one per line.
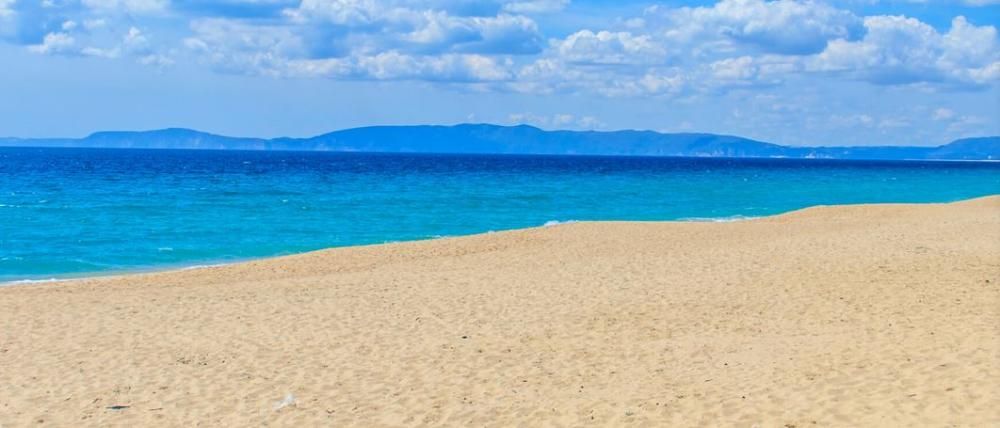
pixel 860 72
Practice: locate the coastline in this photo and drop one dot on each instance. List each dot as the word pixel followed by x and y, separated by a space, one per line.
pixel 76 276
pixel 80 276
pixel 845 315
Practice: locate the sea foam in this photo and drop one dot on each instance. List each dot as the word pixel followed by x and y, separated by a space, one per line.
pixel 558 222
pixel 727 219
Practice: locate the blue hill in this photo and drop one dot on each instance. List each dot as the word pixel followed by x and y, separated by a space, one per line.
pixel 522 139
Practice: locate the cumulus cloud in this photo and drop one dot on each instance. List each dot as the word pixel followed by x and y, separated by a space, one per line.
pixel 238 47
pixel 553 75
pixel 85 28
pixel 386 25
pixel 234 46
pixel 674 51
pixel 730 45
pixel 901 50
pixel 782 26
pixel 376 40
pixel 606 47
pixel 503 34
pixel 133 42
pixel 55 43
pixel 467 68
pixel 736 71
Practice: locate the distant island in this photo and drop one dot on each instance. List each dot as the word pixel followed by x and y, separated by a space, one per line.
pixel 520 139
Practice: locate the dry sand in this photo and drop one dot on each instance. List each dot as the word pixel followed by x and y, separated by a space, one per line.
pixel 877 315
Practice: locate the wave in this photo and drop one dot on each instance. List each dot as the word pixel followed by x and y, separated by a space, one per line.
pixel 117 272
pixel 192 267
pixel 726 219
pixel 17 282
pixel 558 222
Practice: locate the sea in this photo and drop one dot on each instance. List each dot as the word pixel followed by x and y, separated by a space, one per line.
pixel 82 212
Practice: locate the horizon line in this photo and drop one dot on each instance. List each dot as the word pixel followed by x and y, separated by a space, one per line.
pixel 454 125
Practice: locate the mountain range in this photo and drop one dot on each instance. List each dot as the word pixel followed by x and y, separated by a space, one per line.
pixel 521 139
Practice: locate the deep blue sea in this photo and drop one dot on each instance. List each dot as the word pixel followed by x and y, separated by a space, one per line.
pixel 69 212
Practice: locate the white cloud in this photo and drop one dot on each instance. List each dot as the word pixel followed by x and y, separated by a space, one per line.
pixel 363 39
pixel 436 31
pixel 84 28
pixel 77 40
pixel 135 41
pixel 749 71
pixel 605 47
pixel 731 45
pixel 715 48
pixel 399 66
pixel 379 26
pixel 343 12
pixel 900 50
pixel 735 69
pixel 552 75
pixel 781 26
pixel 449 67
pixel 93 51
pixel 156 60
pixel 234 46
pixel 55 43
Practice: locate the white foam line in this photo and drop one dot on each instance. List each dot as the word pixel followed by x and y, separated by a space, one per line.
pixel 112 274
pixel 18 282
pixel 193 267
pixel 551 223
pixel 728 219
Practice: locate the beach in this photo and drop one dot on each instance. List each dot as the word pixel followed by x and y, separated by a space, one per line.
pixel 860 315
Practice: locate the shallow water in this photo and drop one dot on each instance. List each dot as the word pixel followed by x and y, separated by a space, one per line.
pixel 90 211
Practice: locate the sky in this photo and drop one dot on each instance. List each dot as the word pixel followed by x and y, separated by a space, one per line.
pixel 796 72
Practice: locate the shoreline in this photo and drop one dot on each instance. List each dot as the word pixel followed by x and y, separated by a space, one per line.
pixel 83 276
pixel 211 264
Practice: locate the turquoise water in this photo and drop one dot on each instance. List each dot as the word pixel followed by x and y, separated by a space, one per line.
pixel 66 212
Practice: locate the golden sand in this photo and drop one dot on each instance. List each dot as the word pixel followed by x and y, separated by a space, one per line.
pixel 870 315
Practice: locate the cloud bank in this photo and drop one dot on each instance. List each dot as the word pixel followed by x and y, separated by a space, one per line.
pixel 502 46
